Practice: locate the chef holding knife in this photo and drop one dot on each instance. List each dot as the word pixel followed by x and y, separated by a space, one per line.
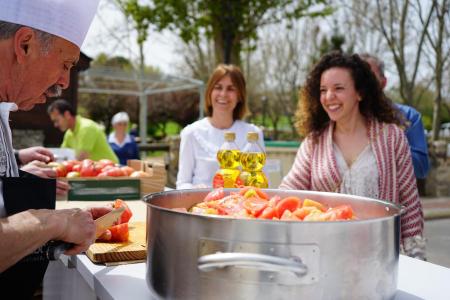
pixel 39 43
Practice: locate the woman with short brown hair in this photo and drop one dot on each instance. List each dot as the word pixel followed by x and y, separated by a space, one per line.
pixel 225 107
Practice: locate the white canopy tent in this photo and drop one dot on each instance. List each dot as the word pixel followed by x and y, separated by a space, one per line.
pixel 98 80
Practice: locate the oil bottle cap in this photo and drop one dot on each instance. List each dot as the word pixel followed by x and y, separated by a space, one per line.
pixel 229 136
pixel 252 136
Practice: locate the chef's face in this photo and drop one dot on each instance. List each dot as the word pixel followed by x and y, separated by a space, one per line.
pixel 40 73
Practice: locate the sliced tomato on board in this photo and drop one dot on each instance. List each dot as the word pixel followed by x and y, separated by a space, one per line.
pixel 126 215
pixel 119 233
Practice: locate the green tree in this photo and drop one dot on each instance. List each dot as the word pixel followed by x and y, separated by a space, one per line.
pixel 229 23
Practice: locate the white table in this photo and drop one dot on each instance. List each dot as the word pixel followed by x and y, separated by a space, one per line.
pixel 78 278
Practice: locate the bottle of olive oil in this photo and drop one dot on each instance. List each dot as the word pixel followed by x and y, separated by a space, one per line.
pixel 253 159
pixel 228 157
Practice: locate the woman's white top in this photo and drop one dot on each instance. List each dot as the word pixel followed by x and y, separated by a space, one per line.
pixel 361 177
pixel 199 144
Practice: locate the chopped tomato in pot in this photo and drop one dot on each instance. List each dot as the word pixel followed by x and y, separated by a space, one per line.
pixel 255 205
pixel 214 195
pixel 250 203
pixel 288 203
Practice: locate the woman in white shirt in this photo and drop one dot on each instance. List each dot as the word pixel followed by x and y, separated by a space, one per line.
pixel 225 107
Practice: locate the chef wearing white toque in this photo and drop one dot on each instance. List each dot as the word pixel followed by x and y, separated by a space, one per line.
pixel 40 42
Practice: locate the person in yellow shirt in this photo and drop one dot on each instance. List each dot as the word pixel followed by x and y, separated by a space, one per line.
pixel 85 136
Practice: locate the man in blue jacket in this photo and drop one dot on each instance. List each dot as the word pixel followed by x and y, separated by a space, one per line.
pixel 415 132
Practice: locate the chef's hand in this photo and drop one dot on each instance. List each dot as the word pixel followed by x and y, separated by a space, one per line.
pixel 62 188
pixel 78 227
pixel 39 169
pixel 35 153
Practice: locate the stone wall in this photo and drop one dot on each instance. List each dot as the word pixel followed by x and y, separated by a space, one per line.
pixel 24 138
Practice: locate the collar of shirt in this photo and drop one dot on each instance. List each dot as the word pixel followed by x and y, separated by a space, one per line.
pixel 112 139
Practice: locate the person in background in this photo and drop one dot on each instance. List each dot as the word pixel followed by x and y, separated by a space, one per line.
pixel 415 132
pixel 40 42
pixel 354 143
pixel 225 107
pixel 85 136
pixel 122 143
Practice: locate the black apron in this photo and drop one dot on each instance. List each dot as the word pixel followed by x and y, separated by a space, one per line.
pixel 19 194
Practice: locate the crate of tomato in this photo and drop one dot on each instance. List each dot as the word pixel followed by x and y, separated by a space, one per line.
pixel 104 180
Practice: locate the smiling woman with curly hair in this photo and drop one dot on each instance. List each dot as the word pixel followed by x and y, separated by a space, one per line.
pixel 354 143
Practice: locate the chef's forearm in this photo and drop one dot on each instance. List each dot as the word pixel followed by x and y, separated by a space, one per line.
pixel 23 233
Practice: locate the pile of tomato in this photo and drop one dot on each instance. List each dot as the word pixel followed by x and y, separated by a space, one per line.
pixel 90 168
pixel 253 203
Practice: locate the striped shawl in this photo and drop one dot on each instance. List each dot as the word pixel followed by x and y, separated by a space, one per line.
pixel 315 168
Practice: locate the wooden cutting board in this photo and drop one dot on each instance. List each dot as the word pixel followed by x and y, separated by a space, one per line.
pixel 133 250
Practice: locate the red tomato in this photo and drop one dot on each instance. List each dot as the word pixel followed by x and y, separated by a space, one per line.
pixel 114 172
pixel 127 170
pixel 77 168
pixel 70 164
pixel 214 195
pixel 342 212
pixel 126 215
pixel 119 233
pixel 288 203
pixel 87 168
pixel 268 213
pixel 255 205
pixel 106 162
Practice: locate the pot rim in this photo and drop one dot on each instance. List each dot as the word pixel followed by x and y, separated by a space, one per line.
pixel 389 205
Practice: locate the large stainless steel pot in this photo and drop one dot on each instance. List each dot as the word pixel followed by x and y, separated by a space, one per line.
pixel 206 257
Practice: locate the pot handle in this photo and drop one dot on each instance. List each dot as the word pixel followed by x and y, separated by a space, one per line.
pixel 262 262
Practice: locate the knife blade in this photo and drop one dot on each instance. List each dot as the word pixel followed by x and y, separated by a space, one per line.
pixel 56 248
pixel 107 220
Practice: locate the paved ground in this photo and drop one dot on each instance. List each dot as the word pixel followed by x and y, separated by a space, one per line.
pixel 437 233
pixel 437 229
pixel 435 208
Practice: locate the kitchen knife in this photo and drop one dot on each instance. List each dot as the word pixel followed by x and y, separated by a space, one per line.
pixel 56 248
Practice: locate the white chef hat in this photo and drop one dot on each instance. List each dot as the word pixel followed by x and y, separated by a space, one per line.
pixel 68 19
pixel 120 117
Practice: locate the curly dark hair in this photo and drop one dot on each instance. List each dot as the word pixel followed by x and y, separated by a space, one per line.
pixel 311 116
